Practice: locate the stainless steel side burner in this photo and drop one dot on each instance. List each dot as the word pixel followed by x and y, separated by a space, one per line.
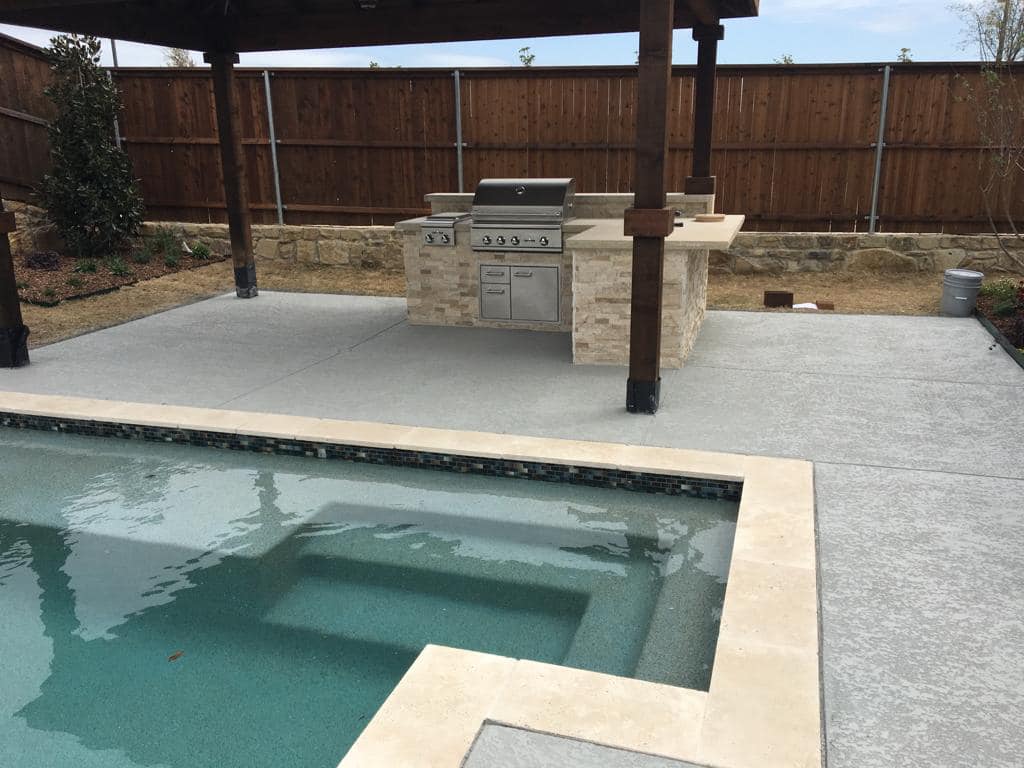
pixel 521 214
pixel 439 229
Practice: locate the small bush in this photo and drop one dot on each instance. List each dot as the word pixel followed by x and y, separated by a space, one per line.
pixel 1005 308
pixel 49 293
pixel 1000 290
pixel 144 255
pixel 85 266
pixel 76 282
pixel 117 267
pixel 200 251
pixel 166 241
pixel 171 260
pixel 21 285
pixel 47 260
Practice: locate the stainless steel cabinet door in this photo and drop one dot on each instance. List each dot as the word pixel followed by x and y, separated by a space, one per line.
pixel 535 294
pixel 495 302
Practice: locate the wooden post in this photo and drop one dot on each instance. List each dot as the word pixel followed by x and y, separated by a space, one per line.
pixel 232 160
pixel 707 37
pixel 13 332
pixel 649 220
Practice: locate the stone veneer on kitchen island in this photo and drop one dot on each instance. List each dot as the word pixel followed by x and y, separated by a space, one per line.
pixel 594 276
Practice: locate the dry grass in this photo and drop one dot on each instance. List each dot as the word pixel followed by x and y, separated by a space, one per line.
pixel 71 318
pixel 857 293
pixel 910 294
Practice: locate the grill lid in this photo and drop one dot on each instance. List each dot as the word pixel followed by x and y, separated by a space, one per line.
pixel 523 200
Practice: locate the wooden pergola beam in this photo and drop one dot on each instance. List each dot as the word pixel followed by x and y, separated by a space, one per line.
pixel 13 331
pixel 649 222
pixel 701 182
pixel 232 160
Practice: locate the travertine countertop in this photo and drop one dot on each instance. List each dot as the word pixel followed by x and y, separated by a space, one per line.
pixel 608 233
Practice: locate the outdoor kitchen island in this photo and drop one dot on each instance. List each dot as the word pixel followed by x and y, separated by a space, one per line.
pixel 583 289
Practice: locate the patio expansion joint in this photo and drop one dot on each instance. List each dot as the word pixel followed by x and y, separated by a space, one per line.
pixel 337 353
pixel 926 470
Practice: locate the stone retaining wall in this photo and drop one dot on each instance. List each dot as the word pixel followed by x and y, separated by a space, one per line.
pixel 366 247
pixel 779 252
pixel 752 253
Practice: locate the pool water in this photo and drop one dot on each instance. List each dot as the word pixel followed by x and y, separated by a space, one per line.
pixel 173 606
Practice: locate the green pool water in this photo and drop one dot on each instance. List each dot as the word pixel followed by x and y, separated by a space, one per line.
pixel 173 606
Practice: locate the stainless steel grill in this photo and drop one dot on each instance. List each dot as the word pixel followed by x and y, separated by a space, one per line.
pixel 521 214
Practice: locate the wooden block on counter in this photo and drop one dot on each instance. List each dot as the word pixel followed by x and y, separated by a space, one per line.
pixel 649 222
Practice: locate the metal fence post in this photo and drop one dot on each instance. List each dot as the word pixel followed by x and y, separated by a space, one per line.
pixel 879 148
pixel 273 147
pixel 458 127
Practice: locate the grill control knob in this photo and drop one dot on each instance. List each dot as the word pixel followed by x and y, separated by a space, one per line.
pixel 501 240
pixel 514 240
pixel 486 239
pixel 544 240
pixel 445 238
pixel 428 237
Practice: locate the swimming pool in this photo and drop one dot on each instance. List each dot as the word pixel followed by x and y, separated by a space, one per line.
pixel 181 606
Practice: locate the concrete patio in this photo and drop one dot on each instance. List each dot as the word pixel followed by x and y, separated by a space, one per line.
pixel 915 426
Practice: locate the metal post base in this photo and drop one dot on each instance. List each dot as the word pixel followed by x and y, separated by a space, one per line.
pixel 245 282
pixel 14 347
pixel 643 396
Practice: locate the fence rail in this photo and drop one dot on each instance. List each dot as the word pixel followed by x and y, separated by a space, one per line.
pixel 794 146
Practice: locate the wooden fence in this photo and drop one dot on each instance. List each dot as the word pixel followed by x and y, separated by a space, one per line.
pixel 24 115
pixel 795 146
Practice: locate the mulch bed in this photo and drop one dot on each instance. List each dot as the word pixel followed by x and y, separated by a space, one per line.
pixel 1008 326
pixel 50 287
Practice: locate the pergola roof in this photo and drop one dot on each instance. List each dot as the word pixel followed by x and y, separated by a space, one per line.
pixel 266 25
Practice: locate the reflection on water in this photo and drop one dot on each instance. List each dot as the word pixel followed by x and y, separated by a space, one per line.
pixel 174 606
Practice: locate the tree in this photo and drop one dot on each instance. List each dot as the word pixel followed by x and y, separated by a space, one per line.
pixel 785 59
pixel 374 65
pixel 90 192
pixel 525 57
pixel 996 27
pixel 178 57
pixel 904 57
pixel 997 99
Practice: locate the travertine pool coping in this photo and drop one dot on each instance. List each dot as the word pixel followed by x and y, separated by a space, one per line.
pixel 762 709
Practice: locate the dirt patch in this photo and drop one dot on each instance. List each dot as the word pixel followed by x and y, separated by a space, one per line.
pixel 899 294
pixel 861 293
pixel 1011 325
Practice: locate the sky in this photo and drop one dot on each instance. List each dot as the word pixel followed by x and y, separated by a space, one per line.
pixel 811 31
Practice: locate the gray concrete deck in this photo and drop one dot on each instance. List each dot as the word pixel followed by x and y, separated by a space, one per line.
pixel 915 426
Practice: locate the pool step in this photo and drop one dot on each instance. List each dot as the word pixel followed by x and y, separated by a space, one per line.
pixel 411 608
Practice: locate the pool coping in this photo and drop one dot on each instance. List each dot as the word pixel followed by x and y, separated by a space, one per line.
pixel 763 706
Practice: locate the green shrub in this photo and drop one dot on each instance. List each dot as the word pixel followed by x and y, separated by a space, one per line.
pixel 85 266
pixel 76 282
pixel 90 193
pixel 999 290
pixel 49 293
pixel 200 251
pixel 143 255
pixel 172 260
pixel 21 285
pixel 117 267
pixel 165 240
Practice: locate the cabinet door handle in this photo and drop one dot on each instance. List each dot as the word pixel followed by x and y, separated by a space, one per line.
pixel 495 274
pixel 495 290
pixel 523 274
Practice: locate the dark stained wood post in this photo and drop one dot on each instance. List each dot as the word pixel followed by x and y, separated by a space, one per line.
pixel 707 37
pixel 649 221
pixel 232 160
pixel 13 332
